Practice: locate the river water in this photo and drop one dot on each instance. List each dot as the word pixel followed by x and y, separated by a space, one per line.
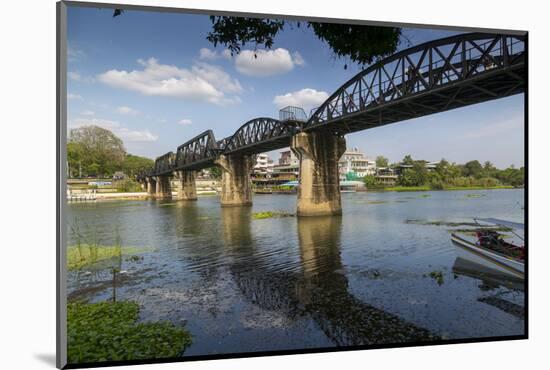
pixel 240 284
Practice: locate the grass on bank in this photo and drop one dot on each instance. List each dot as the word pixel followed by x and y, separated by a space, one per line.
pixel 108 331
pixel 82 255
pixel 428 188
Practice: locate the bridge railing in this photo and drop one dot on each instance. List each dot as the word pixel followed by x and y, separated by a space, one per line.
pixel 164 164
pixel 202 149
pixel 422 70
pixel 291 113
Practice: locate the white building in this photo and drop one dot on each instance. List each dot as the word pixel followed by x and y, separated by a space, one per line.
pixel 356 162
pixel 264 165
pixel 288 163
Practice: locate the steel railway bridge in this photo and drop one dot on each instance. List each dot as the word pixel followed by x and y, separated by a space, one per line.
pixel 429 78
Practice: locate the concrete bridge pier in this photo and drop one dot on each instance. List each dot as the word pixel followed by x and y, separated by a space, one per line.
pixel 151 186
pixel 236 183
pixel 319 190
pixel 163 188
pixel 187 189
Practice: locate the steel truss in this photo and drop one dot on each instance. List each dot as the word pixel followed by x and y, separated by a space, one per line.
pixel 429 78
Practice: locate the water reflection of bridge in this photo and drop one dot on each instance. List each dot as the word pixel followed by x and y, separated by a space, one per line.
pixel 318 289
pixel 433 77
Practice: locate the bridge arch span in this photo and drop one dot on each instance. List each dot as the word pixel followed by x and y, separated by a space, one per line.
pixel 267 133
pixel 432 77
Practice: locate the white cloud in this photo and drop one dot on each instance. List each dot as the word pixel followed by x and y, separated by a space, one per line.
pixel 126 134
pixel 204 82
pixel 74 76
pixel 185 122
pixel 74 54
pixel 297 58
pixel 216 76
pixel 266 62
pixel 88 113
pixel 127 110
pixel 305 98
pixel 209 54
pixel 73 96
pixel 226 54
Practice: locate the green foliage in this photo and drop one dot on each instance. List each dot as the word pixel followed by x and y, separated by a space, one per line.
pixel 234 32
pixel 437 276
pixel 270 214
pixel 407 160
pixel 452 176
pixel 84 255
pixel 215 172
pixel 134 164
pixel 381 161
pixel 127 186
pixel 415 176
pixel 108 331
pixel 472 168
pixel 512 176
pixel 361 44
pixel 94 151
pixel 262 215
pixel 369 180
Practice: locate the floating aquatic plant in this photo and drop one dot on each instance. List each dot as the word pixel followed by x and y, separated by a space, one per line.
pixel 108 331
pixel 270 214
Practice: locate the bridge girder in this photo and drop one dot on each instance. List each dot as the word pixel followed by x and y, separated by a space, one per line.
pixel 432 77
pixel 262 132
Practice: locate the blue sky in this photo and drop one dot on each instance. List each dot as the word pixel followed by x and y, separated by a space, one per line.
pixel 154 80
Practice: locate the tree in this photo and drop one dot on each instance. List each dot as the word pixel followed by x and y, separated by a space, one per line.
pixel 512 176
pixel 417 175
pixel 489 170
pixel 369 180
pixel 98 151
pixel 407 178
pixel 215 172
pixel 381 161
pixel 361 44
pixel 420 173
pixel 473 168
pixel 75 154
pixel 134 164
pixel 407 160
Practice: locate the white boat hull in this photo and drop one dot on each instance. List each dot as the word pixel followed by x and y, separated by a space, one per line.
pixel 486 258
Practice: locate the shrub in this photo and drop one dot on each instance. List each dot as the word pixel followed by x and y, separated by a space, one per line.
pixel 127 186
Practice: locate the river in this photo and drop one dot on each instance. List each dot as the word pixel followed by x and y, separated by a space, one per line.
pixel 241 284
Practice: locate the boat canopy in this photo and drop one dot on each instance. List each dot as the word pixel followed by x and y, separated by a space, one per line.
pixel 509 224
pixel 291 183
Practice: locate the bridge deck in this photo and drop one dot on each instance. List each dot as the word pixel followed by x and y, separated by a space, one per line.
pixel 433 77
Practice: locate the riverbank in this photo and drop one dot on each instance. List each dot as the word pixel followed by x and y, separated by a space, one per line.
pixel 450 188
pixel 132 196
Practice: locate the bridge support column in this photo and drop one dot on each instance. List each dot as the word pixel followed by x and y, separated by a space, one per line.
pixel 151 186
pixel 163 189
pixel 319 190
pixel 236 184
pixel 187 189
